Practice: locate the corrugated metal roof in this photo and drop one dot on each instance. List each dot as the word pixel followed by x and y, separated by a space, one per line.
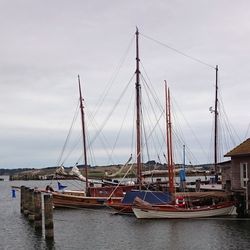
pixel 242 149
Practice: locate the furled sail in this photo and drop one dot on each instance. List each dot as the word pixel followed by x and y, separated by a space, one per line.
pixel 76 173
pixel 61 171
pixel 120 170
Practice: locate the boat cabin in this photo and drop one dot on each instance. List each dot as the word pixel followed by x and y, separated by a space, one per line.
pixel 238 175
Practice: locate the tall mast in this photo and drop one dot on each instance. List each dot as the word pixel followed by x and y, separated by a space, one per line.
pixel 216 121
pixel 184 156
pixel 83 135
pixel 138 111
pixel 169 141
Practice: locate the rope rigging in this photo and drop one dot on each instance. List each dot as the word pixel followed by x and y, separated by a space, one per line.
pixel 150 92
pixel 68 135
pixel 121 127
pixel 178 51
pixel 248 129
pixel 111 111
pixel 179 135
pixel 103 124
pixel 113 78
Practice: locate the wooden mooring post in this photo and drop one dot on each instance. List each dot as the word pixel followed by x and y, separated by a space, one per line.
pixel 31 207
pixel 48 216
pixel 31 215
pixel 38 223
pixel 26 201
pixel 22 199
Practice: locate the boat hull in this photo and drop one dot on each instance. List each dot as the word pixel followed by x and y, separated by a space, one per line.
pixel 125 206
pixel 172 212
pixel 120 207
pixel 76 201
pixel 98 197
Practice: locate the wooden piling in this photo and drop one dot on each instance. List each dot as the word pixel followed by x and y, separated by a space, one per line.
pixel 22 199
pixel 31 205
pixel 26 201
pixel 48 216
pixel 38 210
pixel 31 215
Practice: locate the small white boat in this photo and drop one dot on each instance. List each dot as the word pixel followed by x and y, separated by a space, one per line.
pixel 143 210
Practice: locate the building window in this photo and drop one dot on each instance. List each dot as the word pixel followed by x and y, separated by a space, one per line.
pixel 243 175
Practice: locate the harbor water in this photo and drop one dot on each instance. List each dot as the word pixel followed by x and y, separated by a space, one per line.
pixel 101 229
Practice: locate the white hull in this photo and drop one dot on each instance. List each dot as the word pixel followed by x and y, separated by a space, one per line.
pixel 151 213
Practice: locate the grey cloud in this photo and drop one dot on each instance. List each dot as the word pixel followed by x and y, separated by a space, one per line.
pixel 44 45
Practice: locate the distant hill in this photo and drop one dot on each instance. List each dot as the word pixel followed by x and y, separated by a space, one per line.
pixel 5 171
pixel 94 171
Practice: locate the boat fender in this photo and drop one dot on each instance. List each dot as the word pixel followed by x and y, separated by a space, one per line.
pixel 180 201
pixel 110 201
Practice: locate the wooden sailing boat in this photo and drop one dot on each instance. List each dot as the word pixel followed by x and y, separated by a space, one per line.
pixel 183 205
pixel 155 197
pixel 93 197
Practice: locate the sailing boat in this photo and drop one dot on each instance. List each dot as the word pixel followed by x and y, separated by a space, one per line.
pixel 184 205
pixel 93 197
pixel 154 197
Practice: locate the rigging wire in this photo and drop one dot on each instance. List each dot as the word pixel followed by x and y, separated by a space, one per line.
pixel 189 126
pixel 248 129
pixel 147 114
pixel 69 134
pixel 72 150
pixel 157 101
pixel 179 137
pixel 112 110
pixel 90 151
pixel 133 143
pixel 210 154
pixel 145 135
pixel 131 166
pixel 178 51
pixel 228 124
pixel 154 117
pixel 113 77
pixel 101 127
pixel 151 88
pixel 153 100
pixel 104 95
pixel 150 135
pixel 122 125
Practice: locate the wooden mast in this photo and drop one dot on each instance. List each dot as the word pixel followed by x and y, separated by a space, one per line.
pixel 83 135
pixel 216 121
pixel 138 111
pixel 169 141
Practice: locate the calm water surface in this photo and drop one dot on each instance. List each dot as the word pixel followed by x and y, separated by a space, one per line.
pixel 100 229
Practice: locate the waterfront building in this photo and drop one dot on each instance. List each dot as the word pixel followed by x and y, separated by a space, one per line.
pixel 238 175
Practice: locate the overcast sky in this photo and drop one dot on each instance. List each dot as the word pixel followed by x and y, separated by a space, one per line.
pixel 45 44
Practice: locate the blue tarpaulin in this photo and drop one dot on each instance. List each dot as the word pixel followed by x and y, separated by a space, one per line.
pixel 60 186
pixel 153 197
